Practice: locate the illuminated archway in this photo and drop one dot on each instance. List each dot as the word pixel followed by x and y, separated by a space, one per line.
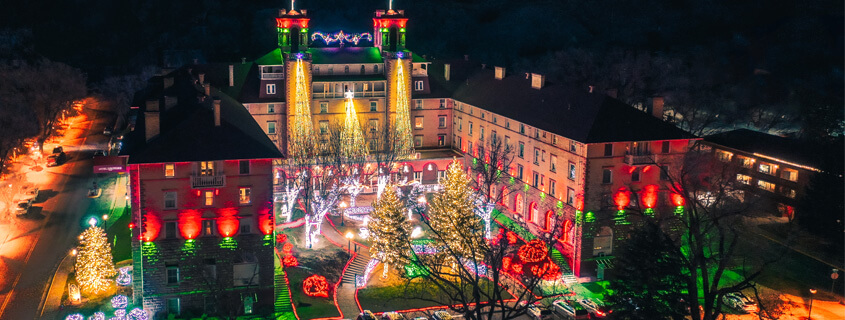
pixel 518 204
pixel 532 211
pixel 549 220
pixel 504 193
pixel 568 232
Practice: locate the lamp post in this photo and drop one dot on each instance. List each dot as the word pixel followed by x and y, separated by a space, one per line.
pixel 810 312
pixel 342 206
pixel 349 237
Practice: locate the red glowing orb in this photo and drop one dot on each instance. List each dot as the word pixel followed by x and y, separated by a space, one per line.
pixel 281 238
pixel 316 286
pixel 622 198
pixel 678 200
pixel 290 261
pixel 533 251
pixel 649 196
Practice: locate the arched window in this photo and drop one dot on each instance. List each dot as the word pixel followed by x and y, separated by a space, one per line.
pixel 518 204
pixel 532 211
pixel 363 69
pixel 480 180
pixel 346 69
pixel 568 232
pixel 549 221
pixel 504 196
pixel 375 68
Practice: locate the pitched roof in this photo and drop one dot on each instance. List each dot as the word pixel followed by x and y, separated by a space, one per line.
pixel 787 149
pixel 344 55
pixel 575 114
pixel 188 133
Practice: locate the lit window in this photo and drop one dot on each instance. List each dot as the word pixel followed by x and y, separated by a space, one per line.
pixel 324 107
pixel 208 227
pixel 209 198
pixel 744 179
pixel 724 156
pixel 746 162
pixel 441 140
pixel 765 185
pixel 418 122
pixel 206 168
pixel 767 168
pixel 244 195
pixel 169 170
pixel 170 200
pixel 789 174
pixel 271 88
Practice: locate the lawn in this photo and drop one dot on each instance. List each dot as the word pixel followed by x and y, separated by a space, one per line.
pixel 309 307
pixel 120 236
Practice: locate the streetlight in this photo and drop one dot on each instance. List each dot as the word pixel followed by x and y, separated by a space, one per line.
pixel 342 206
pixel 812 293
pixel 349 237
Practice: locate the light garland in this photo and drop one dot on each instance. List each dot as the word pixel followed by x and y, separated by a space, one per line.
pixel 389 228
pixel 452 217
pixel 125 276
pixel 403 145
pixel 316 286
pixel 361 281
pixel 94 263
pixel 138 314
pixel 119 314
pixel 75 316
pixel 342 37
pixel 533 251
pixel 98 316
pixel 302 144
pixel 119 302
pixel 351 137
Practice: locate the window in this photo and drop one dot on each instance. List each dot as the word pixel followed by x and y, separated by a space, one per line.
pixel 209 198
pixel 169 170
pixel 346 69
pixel 441 122
pixel 173 306
pixel 665 147
pixel 571 172
pixel 418 140
pixel 635 175
pixel 243 166
pixel 536 155
pixel 765 185
pixel 469 146
pixel 418 103
pixel 271 88
pixel 331 70
pixel 553 163
pixel 246 228
pixel 170 200
pixel 244 195
pixel 363 69
pixel 521 128
pixel 744 179
pixel 789 193
pixel 507 124
pixel 746 162
pixel 366 85
pixel 507 141
pixel 172 274
pixel 519 172
pixel 209 270
pixel 206 168
pixel 494 119
pixel 481 133
pixel 324 107
pixel 767 168
pixel 458 141
pixel 570 196
pixel 521 151
pixel 418 85
pixel 271 127
pixel 324 127
pixel 375 68
pixel 470 128
pixel 537 134
pixel 460 124
pixel 441 140
pixel 493 138
pixel 664 173
pixel 608 149
pixel 373 124
pixel 573 147
pixel 418 122
pixel 442 103
pixel 208 227
pixel 789 174
pixel 271 108
pixel 373 106
pixel 724 156
pixel 606 175
pixel 535 179
pixel 170 230
pixel 552 186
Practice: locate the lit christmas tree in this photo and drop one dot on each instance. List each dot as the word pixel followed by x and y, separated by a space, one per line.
pixel 301 130
pixel 389 230
pixel 351 136
pixel 451 215
pixel 94 264
pixel 403 145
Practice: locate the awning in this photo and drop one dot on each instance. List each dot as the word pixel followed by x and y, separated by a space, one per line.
pixel 109 164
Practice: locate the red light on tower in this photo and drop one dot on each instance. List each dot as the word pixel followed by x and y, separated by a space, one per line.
pixel 622 198
pixel 649 196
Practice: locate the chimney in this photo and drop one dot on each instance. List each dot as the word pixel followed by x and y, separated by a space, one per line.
pixel 537 81
pixel 612 92
pixel 282 12
pixel 201 77
pixel 500 73
pixel 152 120
pixel 657 107
pixel 168 82
pixel 216 105
pixel 447 69
pixel 231 75
pixel 206 88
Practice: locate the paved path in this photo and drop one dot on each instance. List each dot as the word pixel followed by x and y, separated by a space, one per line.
pixel 346 292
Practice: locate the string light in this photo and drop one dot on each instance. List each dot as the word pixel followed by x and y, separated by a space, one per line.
pixel 341 37
pixel 316 286
pixel 451 214
pixel 75 316
pixel 119 301
pixel 389 228
pixel 124 278
pixel 94 263
pixel 403 145
pixel 98 316
pixel 351 137
pixel 302 144
pixel 138 314
pixel 533 251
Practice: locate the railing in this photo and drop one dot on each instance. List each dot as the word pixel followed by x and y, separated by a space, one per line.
pixel 634 159
pixel 358 94
pixel 272 75
pixel 208 181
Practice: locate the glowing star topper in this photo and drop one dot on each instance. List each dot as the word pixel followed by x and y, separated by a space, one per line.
pixel 349 95
pixel 92 222
pixel 340 37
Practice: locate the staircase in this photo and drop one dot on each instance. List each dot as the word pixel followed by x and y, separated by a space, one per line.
pixel 357 267
pixel 283 307
pixel 560 260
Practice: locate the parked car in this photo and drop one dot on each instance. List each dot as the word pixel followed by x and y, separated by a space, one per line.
pixel 23 207
pixel 570 311
pixel 56 159
pixel 107 131
pixel 366 315
pixel 442 315
pixel 390 315
pixel 739 301
pixel 536 312
pixel 58 150
pixel 100 153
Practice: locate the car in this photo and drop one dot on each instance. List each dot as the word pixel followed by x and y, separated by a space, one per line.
pixel 107 131
pixel 100 153
pixel 441 315
pixel 567 310
pixel 30 194
pixel 391 315
pixel 55 159
pixel 594 309
pixel 23 207
pixel 366 315
pixel 58 150
pixel 536 312
pixel 739 301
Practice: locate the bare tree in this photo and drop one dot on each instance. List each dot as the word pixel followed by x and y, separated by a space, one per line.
pixel 119 89
pixel 382 152
pixel 489 172
pixel 15 122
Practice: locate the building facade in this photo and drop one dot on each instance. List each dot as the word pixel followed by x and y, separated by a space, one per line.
pixel 200 173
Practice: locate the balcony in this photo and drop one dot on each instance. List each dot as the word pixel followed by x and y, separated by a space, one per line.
pixel 639 158
pixel 272 75
pixel 216 181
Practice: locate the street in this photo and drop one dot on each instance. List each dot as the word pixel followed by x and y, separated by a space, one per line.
pixel 31 247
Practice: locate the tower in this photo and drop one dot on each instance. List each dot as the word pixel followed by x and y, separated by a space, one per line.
pixel 389 30
pixel 292 28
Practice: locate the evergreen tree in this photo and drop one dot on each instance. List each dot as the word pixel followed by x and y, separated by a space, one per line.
pixel 649 277
pixel 389 230
pixel 452 218
pixel 94 264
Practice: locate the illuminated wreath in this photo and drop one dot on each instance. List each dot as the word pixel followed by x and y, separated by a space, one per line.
pixel 533 251
pixel 290 261
pixel 316 286
pixel 548 271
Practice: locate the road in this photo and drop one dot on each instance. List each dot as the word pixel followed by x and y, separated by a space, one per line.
pixel 32 247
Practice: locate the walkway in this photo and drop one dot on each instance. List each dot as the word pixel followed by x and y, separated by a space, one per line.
pixel 346 296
